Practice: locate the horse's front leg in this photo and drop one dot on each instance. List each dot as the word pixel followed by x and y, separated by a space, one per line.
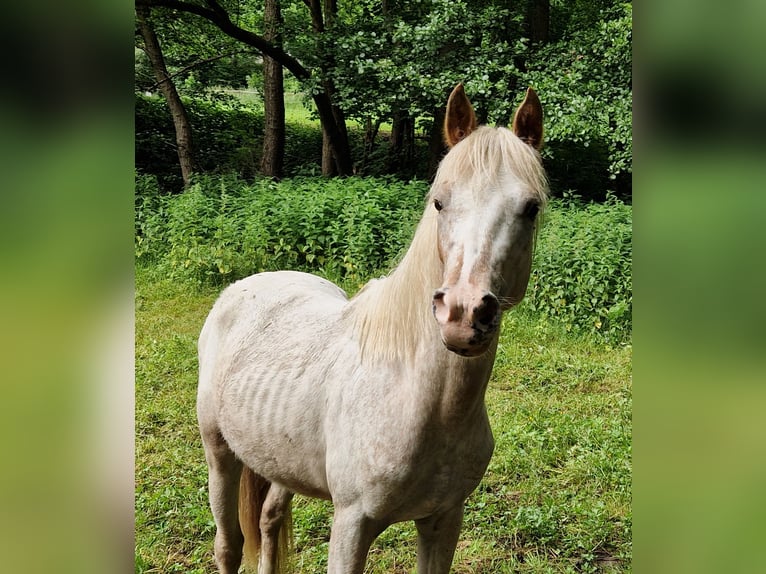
pixel 437 539
pixel 350 539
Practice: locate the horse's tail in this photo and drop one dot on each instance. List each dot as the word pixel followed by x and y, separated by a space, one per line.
pixel 252 494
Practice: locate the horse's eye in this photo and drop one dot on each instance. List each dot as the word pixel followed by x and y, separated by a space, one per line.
pixel 532 209
pixel 438 205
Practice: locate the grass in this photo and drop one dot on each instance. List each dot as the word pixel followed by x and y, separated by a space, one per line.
pixel 556 497
pixel 296 111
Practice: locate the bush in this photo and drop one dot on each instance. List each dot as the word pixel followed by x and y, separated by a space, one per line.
pixel 224 139
pixel 228 138
pixel 223 228
pixel 582 270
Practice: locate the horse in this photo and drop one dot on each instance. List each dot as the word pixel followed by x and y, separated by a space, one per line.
pixel 375 402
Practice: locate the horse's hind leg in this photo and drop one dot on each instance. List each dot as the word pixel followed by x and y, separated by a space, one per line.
pixel 275 519
pixel 224 471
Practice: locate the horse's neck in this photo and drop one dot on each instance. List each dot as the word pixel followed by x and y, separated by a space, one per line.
pixel 453 386
pixel 450 386
pixel 394 325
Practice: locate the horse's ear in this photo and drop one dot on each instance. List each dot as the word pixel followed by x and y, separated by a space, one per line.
pixel 460 119
pixel 528 120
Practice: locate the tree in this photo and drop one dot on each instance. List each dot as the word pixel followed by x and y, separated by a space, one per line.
pixel 334 126
pixel 538 21
pixel 323 15
pixel 391 61
pixel 166 85
pixel 272 161
pixel 584 78
pixel 398 61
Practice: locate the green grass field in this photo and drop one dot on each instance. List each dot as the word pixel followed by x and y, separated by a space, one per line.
pixel 296 111
pixel 556 497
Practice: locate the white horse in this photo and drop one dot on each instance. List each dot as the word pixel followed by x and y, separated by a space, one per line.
pixel 377 402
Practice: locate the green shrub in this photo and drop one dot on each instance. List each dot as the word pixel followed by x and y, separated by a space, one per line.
pixel 228 138
pixel 223 228
pixel 582 268
pixel 148 216
pixel 223 138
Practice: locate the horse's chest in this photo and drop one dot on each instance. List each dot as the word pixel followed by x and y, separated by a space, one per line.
pixel 448 485
pixel 453 465
pixel 433 469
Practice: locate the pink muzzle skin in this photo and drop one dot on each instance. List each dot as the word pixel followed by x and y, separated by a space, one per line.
pixel 467 320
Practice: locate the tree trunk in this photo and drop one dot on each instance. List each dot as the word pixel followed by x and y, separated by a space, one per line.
pixel 436 146
pixel 402 144
pixel 168 89
pixel 340 150
pixel 272 161
pixel 336 151
pixel 538 21
pixel 370 135
pixel 329 167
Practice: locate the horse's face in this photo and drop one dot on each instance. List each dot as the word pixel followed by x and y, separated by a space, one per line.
pixel 485 239
pixel 486 226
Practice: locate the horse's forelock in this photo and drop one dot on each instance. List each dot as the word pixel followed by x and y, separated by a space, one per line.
pixel 479 159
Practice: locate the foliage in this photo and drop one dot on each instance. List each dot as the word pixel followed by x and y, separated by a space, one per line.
pixel 589 106
pixel 223 228
pixel 555 498
pixel 582 270
pixel 197 56
pixel 408 57
pixel 400 59
pixel 228 137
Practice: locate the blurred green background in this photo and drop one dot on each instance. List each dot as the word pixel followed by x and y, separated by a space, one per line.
pixel 65 294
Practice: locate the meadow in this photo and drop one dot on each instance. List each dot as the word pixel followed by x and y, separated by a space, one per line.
pixel 557 495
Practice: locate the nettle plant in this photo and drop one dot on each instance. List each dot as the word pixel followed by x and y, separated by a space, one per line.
pixel 582 271
pixel 349 230
pixel 222 229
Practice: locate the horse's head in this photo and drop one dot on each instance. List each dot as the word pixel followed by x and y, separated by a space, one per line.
pixel 488 192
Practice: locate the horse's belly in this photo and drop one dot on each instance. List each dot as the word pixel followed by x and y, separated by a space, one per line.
pixel 274 430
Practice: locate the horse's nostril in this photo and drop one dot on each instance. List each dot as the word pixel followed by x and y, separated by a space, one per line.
pixel 438 305
pixel 486 313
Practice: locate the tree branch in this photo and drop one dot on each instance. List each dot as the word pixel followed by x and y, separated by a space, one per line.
pixel 315 7
pixel 218 16
pixel 197 64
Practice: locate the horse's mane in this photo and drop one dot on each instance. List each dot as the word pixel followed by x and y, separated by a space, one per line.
pixel 391 316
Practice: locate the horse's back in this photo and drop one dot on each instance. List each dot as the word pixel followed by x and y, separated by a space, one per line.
pixel 263 353
pixel 253 302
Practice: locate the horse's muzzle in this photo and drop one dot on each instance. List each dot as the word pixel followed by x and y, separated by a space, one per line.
pixel 467 321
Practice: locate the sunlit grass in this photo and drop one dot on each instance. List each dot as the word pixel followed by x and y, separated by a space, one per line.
pixel 297 109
